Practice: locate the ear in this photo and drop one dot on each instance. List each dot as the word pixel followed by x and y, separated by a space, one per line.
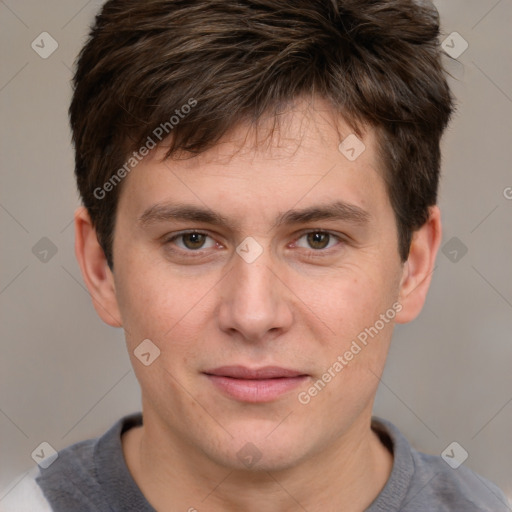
pixel 418 269
pixel 95 270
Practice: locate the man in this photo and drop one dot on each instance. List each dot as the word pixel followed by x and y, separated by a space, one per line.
pixel 259 180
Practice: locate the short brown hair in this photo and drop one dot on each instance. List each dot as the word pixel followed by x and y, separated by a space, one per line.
pixel 377 62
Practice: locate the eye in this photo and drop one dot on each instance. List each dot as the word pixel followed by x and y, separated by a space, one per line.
pixel 192 241
pixel 318 240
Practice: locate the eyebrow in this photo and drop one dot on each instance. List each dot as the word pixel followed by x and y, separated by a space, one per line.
pixel 338 210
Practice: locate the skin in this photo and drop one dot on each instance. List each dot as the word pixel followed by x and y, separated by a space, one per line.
pixel 291 307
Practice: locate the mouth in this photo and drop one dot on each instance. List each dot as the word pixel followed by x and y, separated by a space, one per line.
pixel 255 385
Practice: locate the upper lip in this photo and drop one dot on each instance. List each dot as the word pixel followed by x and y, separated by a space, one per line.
pixel 242 372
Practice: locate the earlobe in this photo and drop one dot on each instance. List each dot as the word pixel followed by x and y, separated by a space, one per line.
pixel 418 269
pixel 95 271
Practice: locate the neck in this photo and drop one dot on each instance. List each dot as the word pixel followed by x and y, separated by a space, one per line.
pixel 347 475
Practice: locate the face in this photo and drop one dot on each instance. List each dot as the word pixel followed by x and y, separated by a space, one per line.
pixel 268 277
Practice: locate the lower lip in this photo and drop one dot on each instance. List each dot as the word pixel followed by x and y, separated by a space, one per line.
pixel 263 390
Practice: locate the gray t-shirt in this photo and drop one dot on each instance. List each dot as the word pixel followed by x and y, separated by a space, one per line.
pixel 92 476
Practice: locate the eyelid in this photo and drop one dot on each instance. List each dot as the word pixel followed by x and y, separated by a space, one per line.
pixel 339 237
pixel 170 238
pixel 319 230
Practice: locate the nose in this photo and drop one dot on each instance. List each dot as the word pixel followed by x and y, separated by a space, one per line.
pixel 254 302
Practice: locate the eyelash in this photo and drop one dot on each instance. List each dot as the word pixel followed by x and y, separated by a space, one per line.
pixel 308 253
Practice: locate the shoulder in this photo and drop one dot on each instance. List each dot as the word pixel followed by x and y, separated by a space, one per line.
pixel 79 477
pixel 431 482
pixel 40 488
pixel 91 475
pixel 73 464
pixel 456 486
pixel 26 495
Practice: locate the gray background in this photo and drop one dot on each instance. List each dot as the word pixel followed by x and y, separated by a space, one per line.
pixel 65 376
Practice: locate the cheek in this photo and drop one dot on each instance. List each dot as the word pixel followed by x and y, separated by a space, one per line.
pixel 353 350
pixel 157 303
pixel 172 316
pixel 347 301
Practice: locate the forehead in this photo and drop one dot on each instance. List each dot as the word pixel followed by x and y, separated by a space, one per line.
pixel 299 161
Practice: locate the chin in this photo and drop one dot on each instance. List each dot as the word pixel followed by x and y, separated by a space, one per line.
pixel 269 462
pixel 257 451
